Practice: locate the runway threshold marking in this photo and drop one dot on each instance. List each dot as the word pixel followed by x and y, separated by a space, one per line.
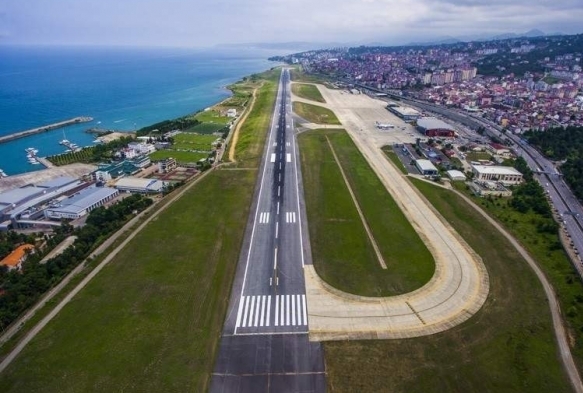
pixel 289 310
pixel 272 157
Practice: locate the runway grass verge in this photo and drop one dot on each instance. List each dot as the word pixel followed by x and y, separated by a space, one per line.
pixel 315 113
pixel 307 91
pixel 508 346
pixel 343 254
pixel 253 132
pixel 151 320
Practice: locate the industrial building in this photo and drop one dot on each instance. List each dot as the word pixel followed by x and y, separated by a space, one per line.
pixel 407 114
pixel 23 206
pixel 80 203
pixel 426 168
pixel 489 188
pixel 456 175
pixel 17 256
pixel 502 174
pixel 433 127
pixel 140 185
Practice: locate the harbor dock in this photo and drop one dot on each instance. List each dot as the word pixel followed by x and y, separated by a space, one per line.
pixel 38 130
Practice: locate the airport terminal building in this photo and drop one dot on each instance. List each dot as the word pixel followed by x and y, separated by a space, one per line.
pixel 503 174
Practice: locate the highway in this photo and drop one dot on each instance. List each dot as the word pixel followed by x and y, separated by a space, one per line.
pixel 560 195
pixel 264 346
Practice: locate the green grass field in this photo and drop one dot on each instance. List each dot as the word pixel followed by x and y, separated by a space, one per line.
pixel 206 128
pixel 342 253
pixel 185 141
pixel 151 320
pixel 478 155
pixel 182 157
pixel 548 252
pixel 315 113
pixel 309 92
pixel 508 346
pixel 212 116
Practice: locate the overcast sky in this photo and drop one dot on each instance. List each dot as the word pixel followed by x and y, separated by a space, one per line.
pixel 201 23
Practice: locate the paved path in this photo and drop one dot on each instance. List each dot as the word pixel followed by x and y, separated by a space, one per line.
pixel 458 288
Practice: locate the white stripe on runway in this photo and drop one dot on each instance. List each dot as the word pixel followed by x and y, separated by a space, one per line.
pixel 305 309
pixel 240 311
pixel 273 157
pixel 268 310
pixel 276 310
pixel 288 157
pixel 287 310
pixel 251 310
pixel 257 311
pixel 293 309
pixel 282 319
pixel 245 315
pixel 264 218
pixel 261 320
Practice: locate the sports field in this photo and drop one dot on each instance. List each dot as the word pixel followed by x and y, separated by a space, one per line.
pixel 189 141
pixel 342 252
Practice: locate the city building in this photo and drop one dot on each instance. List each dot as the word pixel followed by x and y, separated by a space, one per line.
pixel 502 174
pixel 489 188
pixel 80 203
pixel 426 168
pixel 433 127
pixel 106 172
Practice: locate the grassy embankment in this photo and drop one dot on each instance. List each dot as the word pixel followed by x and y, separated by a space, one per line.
pixel 390 153
pixel 547 250
pixel 151 320
pixel 342 252
pixel 307 91
pixel 508 346
pixel 315 113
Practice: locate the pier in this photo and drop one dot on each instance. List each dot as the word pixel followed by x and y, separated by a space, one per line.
pixel 38 130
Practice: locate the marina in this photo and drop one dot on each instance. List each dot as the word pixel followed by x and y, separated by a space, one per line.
pixel 38 130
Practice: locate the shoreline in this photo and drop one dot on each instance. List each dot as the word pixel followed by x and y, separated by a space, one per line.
pixel 41 129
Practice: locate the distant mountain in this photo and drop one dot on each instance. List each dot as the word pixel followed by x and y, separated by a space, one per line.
pixel 286 46
pixel 482 37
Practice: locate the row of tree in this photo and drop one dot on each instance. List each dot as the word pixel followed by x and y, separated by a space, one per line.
pixel 98 153
pixel 563 144
pixel 21 289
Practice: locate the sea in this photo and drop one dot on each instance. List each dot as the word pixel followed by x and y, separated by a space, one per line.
pixel 122 89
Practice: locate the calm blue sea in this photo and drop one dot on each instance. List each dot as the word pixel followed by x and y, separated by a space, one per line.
pixel 123 89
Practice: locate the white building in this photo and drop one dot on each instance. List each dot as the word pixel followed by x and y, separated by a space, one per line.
pixel 231 112
pixel 456 175
pixel 426 167
pixel 167 165
pixel 503 174
pixel 140 185
pixel 142 148
pixel 81 203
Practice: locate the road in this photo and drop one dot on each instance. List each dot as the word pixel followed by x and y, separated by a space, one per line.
pixel 265 345
pixel 560 195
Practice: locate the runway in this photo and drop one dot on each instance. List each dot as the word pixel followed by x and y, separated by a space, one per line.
pixel 265 346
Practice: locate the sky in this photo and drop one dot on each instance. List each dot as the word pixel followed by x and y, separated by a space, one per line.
pixel 205 23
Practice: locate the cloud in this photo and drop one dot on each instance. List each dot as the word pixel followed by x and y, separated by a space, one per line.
pixel 208 22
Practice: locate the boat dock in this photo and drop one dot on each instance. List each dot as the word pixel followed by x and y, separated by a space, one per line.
pixel 38 130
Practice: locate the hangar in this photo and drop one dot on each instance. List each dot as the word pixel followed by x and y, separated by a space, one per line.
pixel 426 167
pixel 432 127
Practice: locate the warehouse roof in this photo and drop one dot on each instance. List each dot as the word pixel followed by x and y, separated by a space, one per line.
pixel 430 123
pixel 136 183
pixel 57 182
pixel 454 174
pixel 17 195
pixel 426 165
pixel 405 110
pixel 84 199
pixel 496 170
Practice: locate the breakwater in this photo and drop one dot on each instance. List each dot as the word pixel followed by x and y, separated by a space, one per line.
pixel 38 130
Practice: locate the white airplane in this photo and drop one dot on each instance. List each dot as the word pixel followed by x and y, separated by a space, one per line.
pixel 384 126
